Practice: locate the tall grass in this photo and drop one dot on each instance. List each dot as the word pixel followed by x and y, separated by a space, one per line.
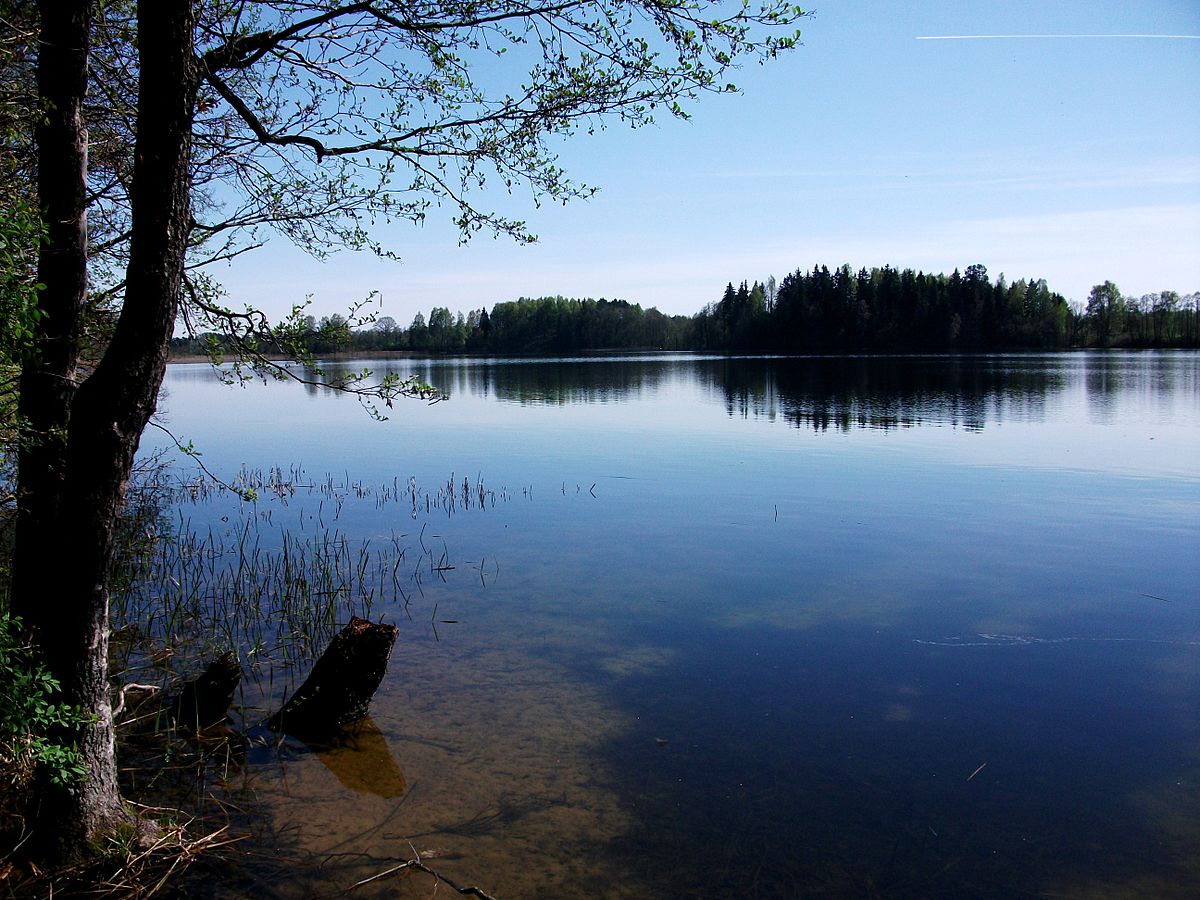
pixel 271 581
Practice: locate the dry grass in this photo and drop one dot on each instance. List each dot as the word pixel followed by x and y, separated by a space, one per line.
pixel 140 861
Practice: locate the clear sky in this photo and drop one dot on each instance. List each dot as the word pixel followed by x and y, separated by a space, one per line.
pixel 1054 139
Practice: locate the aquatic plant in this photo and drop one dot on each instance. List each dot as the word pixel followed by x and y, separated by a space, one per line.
pixel 252 582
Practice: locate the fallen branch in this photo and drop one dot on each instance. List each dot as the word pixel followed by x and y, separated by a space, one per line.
pixel 149 689
pixel 416 864
pixel 142 868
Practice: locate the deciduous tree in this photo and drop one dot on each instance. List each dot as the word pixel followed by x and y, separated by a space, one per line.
pixel 225 119
pixel 1106 311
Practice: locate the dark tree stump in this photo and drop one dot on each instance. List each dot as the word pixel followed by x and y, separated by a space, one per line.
pixel 205 700
pixel 339 688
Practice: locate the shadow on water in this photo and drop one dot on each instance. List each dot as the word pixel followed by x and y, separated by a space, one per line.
pixel 845 763
pixel 362 761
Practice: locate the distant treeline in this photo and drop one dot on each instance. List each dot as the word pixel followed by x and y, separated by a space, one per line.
pixel 888 310
pixel 872 310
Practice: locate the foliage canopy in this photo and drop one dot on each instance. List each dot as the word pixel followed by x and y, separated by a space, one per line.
pixel 162 136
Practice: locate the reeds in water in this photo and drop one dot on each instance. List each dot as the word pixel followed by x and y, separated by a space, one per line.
pixel 243 580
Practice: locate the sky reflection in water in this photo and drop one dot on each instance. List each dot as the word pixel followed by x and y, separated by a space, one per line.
pixel 908 627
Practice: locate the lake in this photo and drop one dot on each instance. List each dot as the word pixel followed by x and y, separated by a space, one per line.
pixel 709 627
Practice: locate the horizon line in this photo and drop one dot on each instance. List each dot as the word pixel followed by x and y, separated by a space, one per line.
pixel 993 37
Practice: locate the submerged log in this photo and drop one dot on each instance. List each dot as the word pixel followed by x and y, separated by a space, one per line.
pixel 205 700
pixel 339 688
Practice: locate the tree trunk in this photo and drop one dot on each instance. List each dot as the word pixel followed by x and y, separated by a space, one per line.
pixel 48 378
pixel 60 625
pixel 64 540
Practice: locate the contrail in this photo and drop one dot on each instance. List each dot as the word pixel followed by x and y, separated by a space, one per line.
pixel 1001 37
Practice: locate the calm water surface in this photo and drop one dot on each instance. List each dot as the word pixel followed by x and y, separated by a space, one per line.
pixel 753 628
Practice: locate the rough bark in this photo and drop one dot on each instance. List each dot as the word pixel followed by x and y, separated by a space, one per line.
pixel 339 688
pixel 72 489
pixel 48 378
pixel 63 628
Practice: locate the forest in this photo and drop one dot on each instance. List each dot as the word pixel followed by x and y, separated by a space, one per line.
pixel 882 310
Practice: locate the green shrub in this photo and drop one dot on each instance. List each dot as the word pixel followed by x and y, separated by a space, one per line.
pixel 30 713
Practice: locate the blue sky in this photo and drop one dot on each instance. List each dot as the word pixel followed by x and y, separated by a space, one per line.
pixel 1076 159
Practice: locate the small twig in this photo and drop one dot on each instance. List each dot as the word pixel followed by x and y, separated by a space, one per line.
pixel 190 451
pixel 379 876
pixel 415 863
pixel 466 890
pixel 120 707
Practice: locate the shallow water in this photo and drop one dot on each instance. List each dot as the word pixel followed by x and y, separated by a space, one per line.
pixel 734 628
